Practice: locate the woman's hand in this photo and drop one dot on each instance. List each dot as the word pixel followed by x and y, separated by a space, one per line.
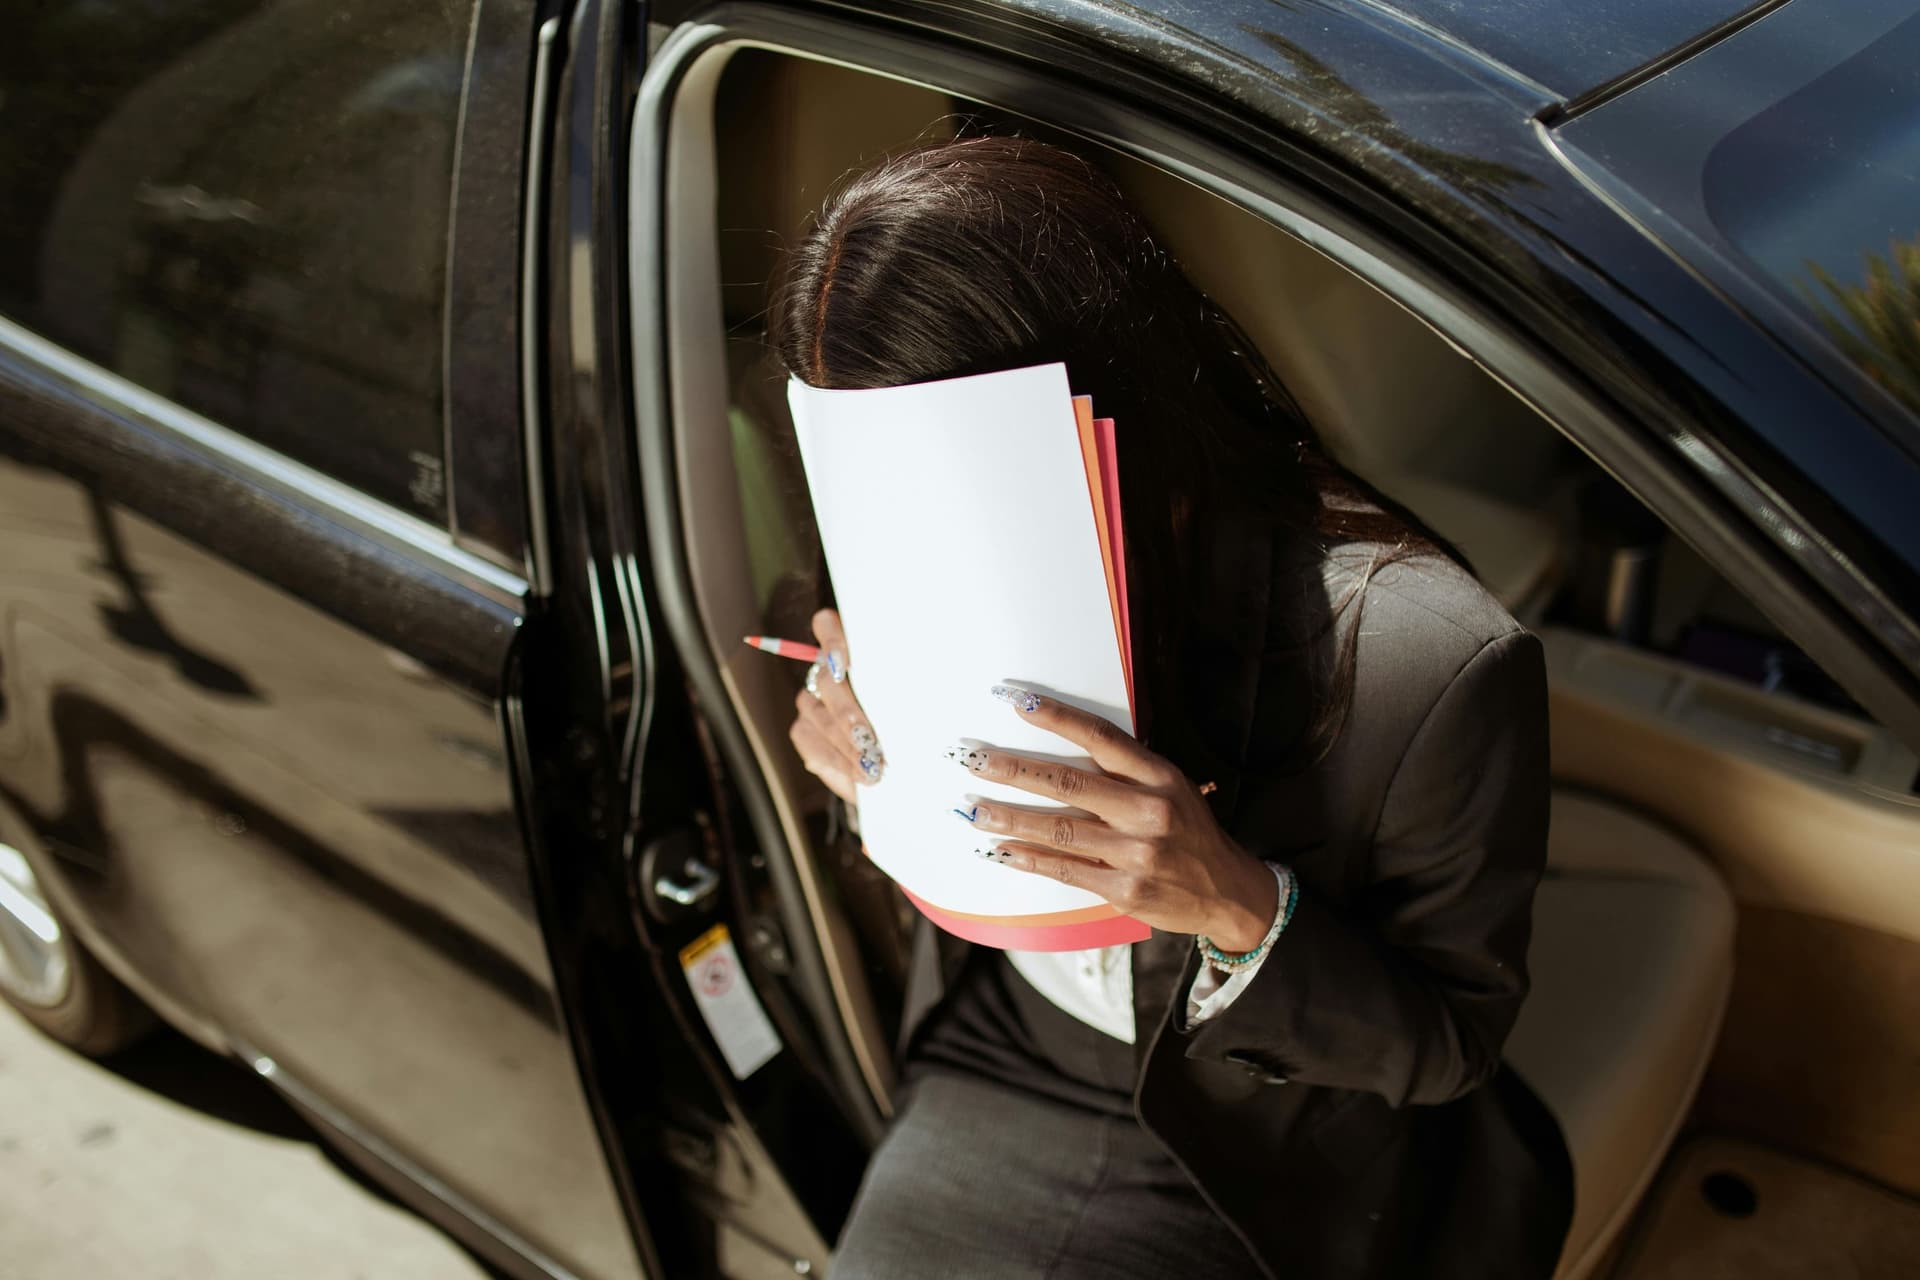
pixel 1152 847
pixel 830 731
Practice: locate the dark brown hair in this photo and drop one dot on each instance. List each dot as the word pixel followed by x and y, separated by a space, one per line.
pixel 999 252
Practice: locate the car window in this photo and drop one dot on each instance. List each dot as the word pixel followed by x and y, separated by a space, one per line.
pixel 1785 160
pixel 243 206
pixel 1822 192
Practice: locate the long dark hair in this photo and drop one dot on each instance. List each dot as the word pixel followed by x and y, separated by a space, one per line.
pixel 999 252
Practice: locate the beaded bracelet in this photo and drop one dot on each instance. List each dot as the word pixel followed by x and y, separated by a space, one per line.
pixel 1289 898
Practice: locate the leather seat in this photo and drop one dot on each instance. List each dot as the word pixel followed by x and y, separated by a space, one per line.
pixel 1632 960
pixel 1390 398
pixel 1517 552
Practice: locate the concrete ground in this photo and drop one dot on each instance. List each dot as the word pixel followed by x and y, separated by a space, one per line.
pixel 172 1164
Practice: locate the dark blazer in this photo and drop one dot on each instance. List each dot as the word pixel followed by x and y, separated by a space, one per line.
pixel 1349 1113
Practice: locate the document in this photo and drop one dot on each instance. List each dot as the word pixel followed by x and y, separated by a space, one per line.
pixel 958 520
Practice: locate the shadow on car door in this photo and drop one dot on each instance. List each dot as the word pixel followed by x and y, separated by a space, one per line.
pixel 253 669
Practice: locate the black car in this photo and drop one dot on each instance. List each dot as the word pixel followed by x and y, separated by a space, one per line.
pixel 390 464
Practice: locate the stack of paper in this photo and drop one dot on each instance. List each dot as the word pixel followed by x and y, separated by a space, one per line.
pixel 1103 487
pixel 972 529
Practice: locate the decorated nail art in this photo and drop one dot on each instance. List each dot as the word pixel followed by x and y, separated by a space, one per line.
pixel 1019 698
pixel 971 813
pixel 837 666
pixel 971 757
pixel 992 855
pixel 872 760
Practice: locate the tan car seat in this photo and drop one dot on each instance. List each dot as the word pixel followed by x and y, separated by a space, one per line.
pixel 1632 962
pixel 1390 399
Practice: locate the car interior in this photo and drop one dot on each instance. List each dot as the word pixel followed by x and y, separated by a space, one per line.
pixel 1726 946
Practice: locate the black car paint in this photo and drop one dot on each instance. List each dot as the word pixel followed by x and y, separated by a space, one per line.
pixel 256 721
pixel 570 710
pixel 673 791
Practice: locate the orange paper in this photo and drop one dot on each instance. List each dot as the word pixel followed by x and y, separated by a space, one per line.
pixel 1105 510
pixel 1110 486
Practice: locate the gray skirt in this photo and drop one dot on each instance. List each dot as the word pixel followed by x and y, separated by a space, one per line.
pixel 1017 1157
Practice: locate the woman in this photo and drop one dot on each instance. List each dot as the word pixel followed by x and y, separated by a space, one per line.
pixel 1335 831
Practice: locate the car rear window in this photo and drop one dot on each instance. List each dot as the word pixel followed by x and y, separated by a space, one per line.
pixel 1821 191
pixel 1783 163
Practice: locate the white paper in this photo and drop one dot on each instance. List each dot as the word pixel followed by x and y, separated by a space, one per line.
pixel 727 1003
pixel 959 532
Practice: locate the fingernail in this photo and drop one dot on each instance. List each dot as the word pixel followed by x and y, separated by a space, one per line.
pixel 970 757
pixel 837 665
pixel 991 855
pixel 1020 698
pixel 872 761
pixel 971 813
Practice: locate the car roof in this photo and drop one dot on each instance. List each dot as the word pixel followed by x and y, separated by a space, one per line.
pixel 1566 49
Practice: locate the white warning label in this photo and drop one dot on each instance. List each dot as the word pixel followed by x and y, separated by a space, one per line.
pixel 721 992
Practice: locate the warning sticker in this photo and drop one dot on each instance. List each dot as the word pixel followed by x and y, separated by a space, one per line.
pixel 724 998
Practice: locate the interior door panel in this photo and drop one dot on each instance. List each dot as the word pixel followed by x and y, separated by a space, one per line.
pixel 1810 817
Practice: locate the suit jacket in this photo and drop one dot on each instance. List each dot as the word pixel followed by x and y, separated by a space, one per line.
pixel 1349 1113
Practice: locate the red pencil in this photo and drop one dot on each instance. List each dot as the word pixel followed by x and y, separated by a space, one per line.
pixel 786 648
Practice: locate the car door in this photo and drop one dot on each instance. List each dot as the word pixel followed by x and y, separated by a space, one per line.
pixel 264 592
pixel 703 1020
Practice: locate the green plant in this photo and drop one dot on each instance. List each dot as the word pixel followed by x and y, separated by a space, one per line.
pixel 1877 324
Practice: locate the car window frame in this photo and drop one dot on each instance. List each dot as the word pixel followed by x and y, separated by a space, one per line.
pixel 1689 480
pixel 290 485
pixel 489 324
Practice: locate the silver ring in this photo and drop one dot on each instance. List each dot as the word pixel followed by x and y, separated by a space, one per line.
pixel 813 679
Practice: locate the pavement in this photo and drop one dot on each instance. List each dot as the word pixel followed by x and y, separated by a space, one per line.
pixel 170 1163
